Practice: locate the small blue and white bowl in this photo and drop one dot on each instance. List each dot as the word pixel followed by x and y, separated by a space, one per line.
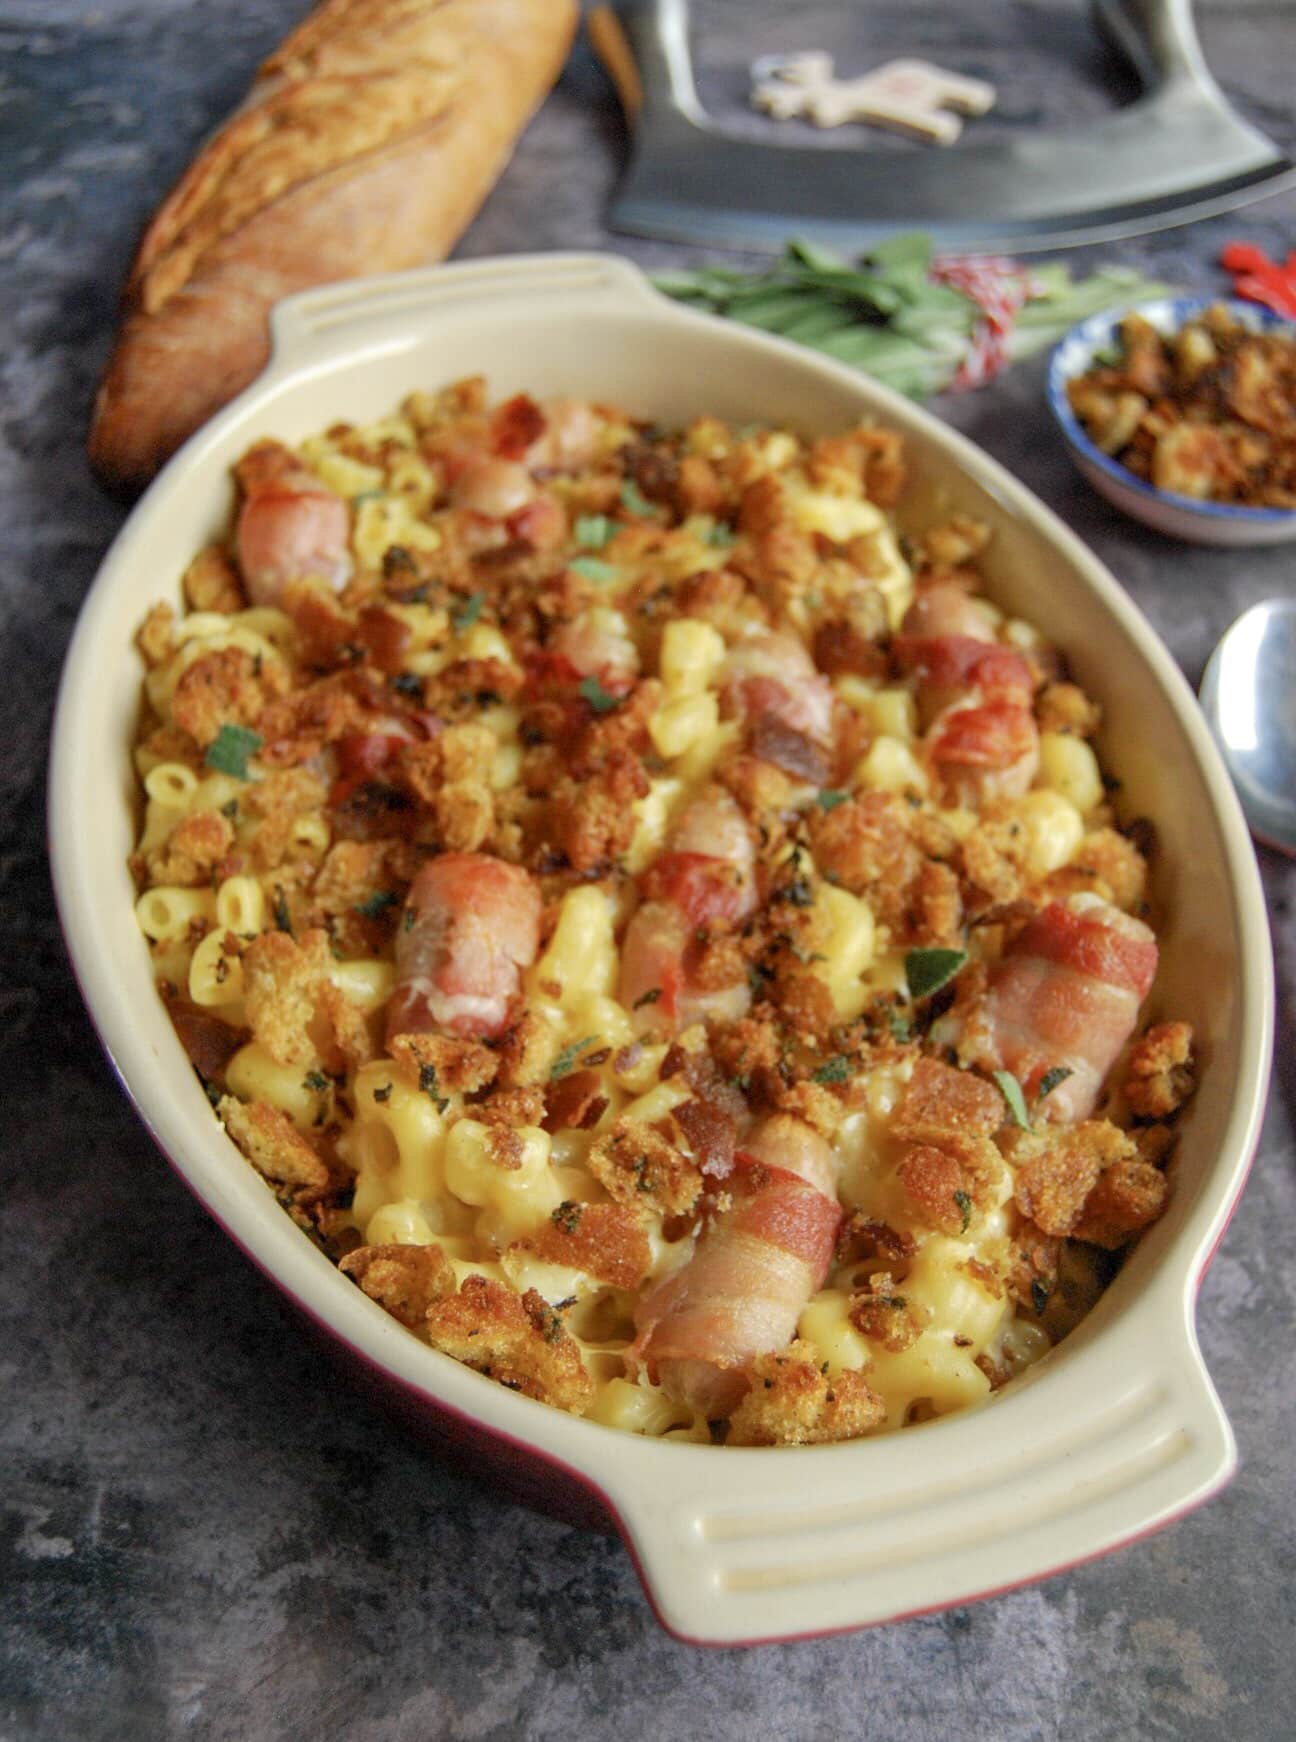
pixel 1199 522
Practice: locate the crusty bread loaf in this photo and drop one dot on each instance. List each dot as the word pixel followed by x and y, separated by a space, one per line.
pixel 366 144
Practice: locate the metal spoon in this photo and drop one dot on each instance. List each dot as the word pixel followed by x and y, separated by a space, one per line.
pixel 1248 691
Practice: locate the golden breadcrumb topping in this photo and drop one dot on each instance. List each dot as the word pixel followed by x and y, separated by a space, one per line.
pixel 650 917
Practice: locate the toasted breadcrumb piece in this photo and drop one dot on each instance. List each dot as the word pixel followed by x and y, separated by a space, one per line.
pixel 349 1033
pixel 298 726
pixel 881 1313
pixel 1032 1267
pixel 1155 1143
pixel 405 1280
pixel 637 1166
pixel 761 789
pixel 353 872
pixel 699 486
pixel 224 688
pixel 511 1107
pixel 211 582
pixel 778 557
pixel 813 1103
pixel 527 1052
pixel 451 775
pixel 805 1003
pixel 747 1046
pixel 281 980
pixel 861 1238
pixel 948 1176
pixel 606 1241
pixel 192 850
pixel 719 597
pixel 938 1095
pixel 992 857
pixel 1128 1197
pixel 883 467
pixel 169 744
pixel 1059 1167
pixel 1105 863
pixel 849 642
pixel 459 1065
pixel 865 845
pixel 592 822
pixel 156 636
pixel 465 815
pixel 935 915
pixel 274 1146
pixel 1064 707
pixel 517 1341
pixel 1162 1071
pixel 793 1403
pixel 956 541
pixel 277 803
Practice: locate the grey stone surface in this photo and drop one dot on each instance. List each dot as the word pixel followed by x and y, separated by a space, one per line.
pixel 201 1531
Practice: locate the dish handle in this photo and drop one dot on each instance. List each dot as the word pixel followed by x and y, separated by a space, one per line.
pixel 318 323
pixel 1134 1436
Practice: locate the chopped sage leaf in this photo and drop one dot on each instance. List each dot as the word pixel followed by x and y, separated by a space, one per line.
pixel 589 568
pixel 567 1059
pixel 926 971
pixel 1052 1079
pixel 229 750
pixel 374 906
pixel 964 1203
pixel 282 917
pixel 468 613
pixel 649 997
pixel 633 498
pixel 720 536
pixel 597 697
pixel 594 530
pixel 431 1088
pixel 834 1070
pixel 830 798
pixel 1011 1091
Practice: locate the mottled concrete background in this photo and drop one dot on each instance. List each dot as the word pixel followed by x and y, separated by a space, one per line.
pixel 201 1532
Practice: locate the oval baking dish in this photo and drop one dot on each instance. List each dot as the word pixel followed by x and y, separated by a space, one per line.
pixel 1116 1432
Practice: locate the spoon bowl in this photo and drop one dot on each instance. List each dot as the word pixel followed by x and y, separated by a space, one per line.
pixel 1248 691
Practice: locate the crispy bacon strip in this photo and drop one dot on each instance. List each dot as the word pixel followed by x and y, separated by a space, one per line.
pixel 471 924
pixel 756 1265
pixel 772 740
pixel 713 1135
pixel 1065 995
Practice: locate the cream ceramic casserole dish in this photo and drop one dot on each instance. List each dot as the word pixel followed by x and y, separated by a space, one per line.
pixel 1116 1432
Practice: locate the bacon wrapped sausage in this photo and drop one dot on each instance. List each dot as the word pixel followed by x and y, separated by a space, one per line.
pixel 471 925
pixel 755 1266
pixel 1064 997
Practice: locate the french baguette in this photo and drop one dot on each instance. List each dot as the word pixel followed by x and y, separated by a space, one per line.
pixel 367 142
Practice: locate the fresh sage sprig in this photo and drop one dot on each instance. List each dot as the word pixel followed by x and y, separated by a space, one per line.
pixel 885 315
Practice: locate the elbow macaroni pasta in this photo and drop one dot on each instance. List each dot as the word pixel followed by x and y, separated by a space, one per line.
pixel 286 840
